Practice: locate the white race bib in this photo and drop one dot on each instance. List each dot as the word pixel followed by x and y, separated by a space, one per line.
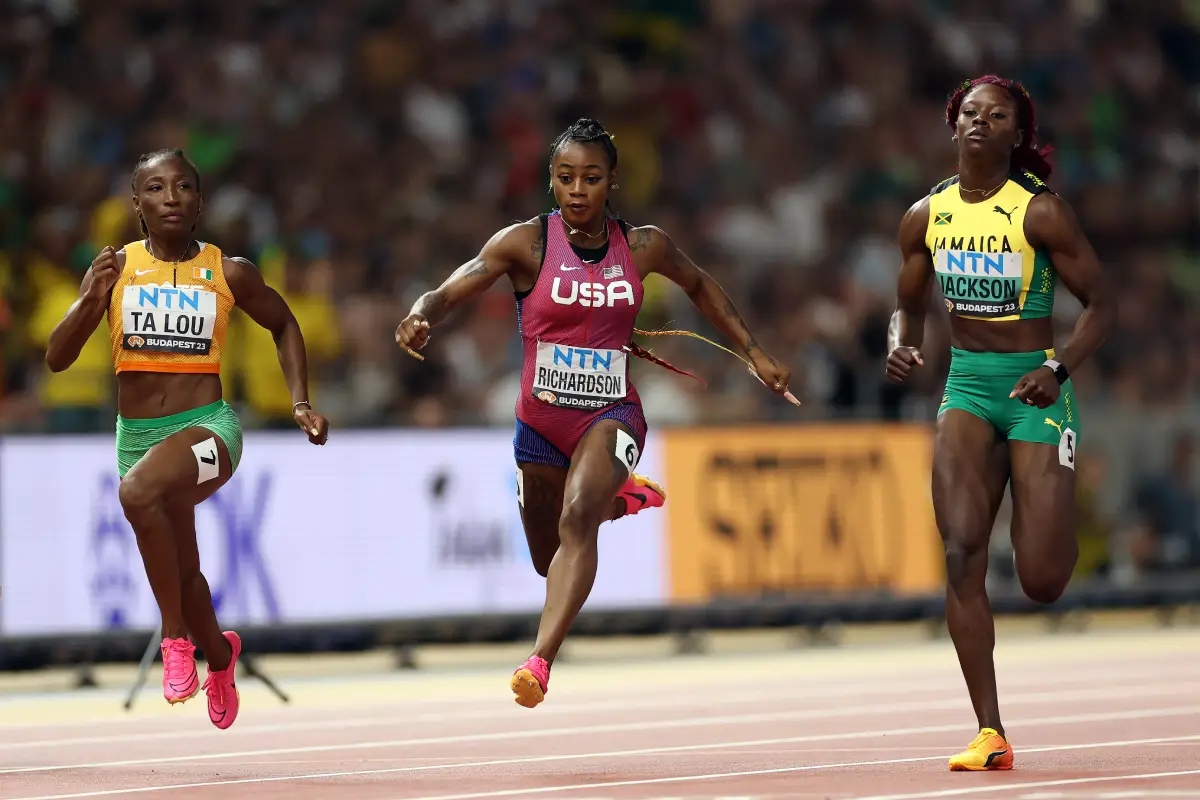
pixel 578 377
pixel 168 319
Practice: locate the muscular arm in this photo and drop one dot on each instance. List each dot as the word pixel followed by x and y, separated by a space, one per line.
pixel 1050 224
pixel 915 281
pixel 655 249
pixel 264 305
pixel 79 323
pixel 504 251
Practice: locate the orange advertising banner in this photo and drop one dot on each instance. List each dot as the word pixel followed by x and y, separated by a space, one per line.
pixel 814 508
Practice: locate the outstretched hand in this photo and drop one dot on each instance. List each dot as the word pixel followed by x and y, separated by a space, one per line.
pixel 412 334
pixel 312 423
pixel 1037 388
pixel 774 376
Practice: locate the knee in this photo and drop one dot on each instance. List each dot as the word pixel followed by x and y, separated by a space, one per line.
pixel 966 562
pixel 579 522
pixel 138 496
pixel 1043 585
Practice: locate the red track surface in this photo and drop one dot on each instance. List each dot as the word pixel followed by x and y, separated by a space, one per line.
pixel 1109 720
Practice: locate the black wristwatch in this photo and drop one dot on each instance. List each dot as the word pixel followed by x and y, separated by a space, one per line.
pixel 1060 371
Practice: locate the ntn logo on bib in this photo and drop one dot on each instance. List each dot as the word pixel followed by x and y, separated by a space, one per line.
pixel 989 265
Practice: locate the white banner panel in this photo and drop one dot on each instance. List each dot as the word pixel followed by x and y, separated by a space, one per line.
pixel 374 525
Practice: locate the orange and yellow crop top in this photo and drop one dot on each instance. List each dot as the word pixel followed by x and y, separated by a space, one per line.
pixel 167 317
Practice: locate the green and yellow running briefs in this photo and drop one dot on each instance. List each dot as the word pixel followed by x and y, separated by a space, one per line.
pixel 136 436
pixel 980 384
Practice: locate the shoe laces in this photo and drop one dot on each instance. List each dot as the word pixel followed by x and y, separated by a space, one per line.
pixel 177 655
pixel 982 738
pixel 214 687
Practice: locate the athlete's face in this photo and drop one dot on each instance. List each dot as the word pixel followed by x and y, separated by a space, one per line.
pixel 987 121
pixel 167 197
pixel 581 177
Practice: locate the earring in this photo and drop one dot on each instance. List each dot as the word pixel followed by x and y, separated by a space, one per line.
pixel 615 186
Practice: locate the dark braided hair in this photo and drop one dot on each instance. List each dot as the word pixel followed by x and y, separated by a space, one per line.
pixel 145 159
pixel 1028 157
pixel 588 131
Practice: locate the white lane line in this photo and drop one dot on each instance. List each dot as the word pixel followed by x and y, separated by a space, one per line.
pixel 874 709
pixel 497 711
pixel 612 754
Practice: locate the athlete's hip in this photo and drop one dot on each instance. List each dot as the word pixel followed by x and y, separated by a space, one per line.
pixel 565 429
pixel 982 364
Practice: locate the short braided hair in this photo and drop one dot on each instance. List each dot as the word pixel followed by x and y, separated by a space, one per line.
pixel 146 158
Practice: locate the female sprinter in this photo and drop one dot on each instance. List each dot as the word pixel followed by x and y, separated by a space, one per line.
pixel 577 274
pixel 168 298
pixel 996 237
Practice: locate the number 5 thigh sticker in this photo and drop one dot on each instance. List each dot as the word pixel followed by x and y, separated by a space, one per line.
pixel 1066 448
pixel 627 450
pixel 206 460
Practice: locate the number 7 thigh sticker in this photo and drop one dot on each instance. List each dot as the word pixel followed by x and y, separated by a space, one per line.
pixel 206 460
pixel 1067 446
pixel 627 450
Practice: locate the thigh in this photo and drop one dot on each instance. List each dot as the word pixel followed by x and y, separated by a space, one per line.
pixel 600 466
pixel 1043 495
pixel 1044 443
pixel 970 471
pixel 540 499
pixel 186 468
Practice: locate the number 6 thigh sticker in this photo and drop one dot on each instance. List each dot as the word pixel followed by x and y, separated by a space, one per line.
pixel 1066 448
pixel 206 460
pixel 627 450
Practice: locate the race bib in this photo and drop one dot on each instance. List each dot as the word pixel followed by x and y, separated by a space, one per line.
pixel 984 285
pixel 578 377
pixel 168 319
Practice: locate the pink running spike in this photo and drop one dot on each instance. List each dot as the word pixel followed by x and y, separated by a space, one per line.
pixel 531 681
pixel 221 688
pixel 180 682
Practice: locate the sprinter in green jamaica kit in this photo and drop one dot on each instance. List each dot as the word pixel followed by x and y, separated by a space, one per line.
pixel 997 239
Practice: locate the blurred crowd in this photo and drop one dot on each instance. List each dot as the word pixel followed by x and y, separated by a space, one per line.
pixel 358 151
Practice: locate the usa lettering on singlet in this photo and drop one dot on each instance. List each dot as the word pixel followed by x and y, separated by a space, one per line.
pixel 168 319
pixel 578 377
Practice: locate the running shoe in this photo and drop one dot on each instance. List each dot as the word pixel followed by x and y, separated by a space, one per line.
pixel 641 493
pixel 988 751
pixel 530 682
pixel 221 688
pixel 180 682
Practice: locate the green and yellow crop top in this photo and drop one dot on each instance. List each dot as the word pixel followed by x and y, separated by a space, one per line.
pixel 985 267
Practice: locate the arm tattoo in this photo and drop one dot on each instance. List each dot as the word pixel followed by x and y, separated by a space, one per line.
pixel 641 240
pixel 537 248
pixel 731 312
pixel 430 305
pixel 471 269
